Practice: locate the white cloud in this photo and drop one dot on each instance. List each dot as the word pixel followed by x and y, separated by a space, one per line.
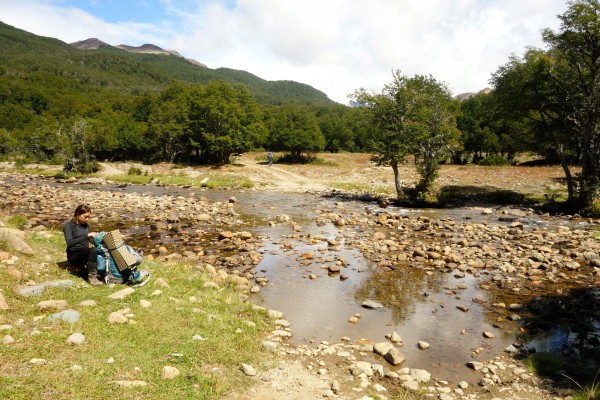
pixel 336 46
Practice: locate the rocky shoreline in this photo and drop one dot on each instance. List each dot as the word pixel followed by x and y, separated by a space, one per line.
pixel 521 262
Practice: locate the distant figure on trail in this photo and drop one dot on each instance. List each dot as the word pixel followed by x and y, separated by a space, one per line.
pixel 270 157
pixel 78 238
pixel 68 167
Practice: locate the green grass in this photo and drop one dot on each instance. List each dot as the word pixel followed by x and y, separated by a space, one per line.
pixel 544 363
pixel 322 161
pixel 215 181
pixel 357 187
pixel 590 392
pixel 161 335
pixel 134 179
pixel 16 221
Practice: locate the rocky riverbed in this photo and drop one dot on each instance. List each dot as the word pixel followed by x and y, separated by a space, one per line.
pixel 529 278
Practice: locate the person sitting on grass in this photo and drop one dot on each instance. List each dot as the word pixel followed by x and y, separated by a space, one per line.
pixel 78 237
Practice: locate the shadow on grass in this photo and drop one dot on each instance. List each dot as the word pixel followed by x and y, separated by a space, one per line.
pixel 449 196
pixel 484 195
pixel 76 270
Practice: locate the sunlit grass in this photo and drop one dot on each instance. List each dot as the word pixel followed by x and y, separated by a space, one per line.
pixel 36 170
pixel 322 161
pixel 213 181
pixel 16 221
pixel 357 187
pixel 161 335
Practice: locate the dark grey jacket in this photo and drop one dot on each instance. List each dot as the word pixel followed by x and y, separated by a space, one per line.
pixel 76 237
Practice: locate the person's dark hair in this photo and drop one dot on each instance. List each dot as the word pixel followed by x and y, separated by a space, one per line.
pixel 81 209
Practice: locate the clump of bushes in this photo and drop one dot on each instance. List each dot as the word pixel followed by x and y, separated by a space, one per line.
pixel 495 159
pixel 136 171
pixel 290 158
pixel 592 211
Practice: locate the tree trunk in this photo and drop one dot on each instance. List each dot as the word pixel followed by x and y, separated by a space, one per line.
pixel 590 168
pixel 397 181
pixel 570 182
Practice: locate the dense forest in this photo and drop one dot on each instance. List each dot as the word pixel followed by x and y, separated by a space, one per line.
pixel 62 104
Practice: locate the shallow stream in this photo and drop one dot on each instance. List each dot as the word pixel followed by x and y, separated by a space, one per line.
pixel 420 306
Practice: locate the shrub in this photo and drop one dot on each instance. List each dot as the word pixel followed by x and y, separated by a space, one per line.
pixel 321 161
pixel 290 158
pixel 495 159
pixel 544 363
pixel 592 211
pixel 17 221
pixel 135 171
pixel 85 166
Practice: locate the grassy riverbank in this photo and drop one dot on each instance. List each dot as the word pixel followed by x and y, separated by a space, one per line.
pixel 205 332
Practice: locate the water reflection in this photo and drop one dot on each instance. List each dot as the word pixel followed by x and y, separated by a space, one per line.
pixel 400 290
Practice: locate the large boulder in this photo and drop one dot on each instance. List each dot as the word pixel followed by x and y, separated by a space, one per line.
pixel 15 239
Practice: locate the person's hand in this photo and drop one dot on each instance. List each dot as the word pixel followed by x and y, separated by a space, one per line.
pixel 92 235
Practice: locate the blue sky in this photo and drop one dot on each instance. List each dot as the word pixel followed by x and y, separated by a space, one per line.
pixel 122 11
pixel 336 46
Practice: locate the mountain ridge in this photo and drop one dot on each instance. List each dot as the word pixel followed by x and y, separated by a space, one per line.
pixel 147 48
pixel 102 67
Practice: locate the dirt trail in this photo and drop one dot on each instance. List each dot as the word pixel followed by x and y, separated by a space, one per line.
pixel 281 179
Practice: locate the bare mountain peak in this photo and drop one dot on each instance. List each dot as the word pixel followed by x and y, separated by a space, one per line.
pixel 89 44
pixel 147 48
pixel 464 96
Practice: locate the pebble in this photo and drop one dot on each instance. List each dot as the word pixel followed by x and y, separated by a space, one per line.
pixel 248 369
pixel 76 339
pixel 117 318
pixel 130 384
pixel 269 346
pixel 3 303
pixel 121 294
pixel 56 305
pixel 423 345
pixel 145 303
pixel 371 304
pixel 70 316
pixel 169 373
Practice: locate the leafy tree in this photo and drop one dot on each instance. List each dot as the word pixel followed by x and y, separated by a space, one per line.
pixel 558 91
pixel 475 123
pixel 412 116
pixel 577 48
pixel 42 140
pixel 361 128
pixel 78 146
pixel 167 124
pixel 223 120
pixel 6 142
pixel 488 129
pixel 334 122
pixel 433 122
pixel 295 129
